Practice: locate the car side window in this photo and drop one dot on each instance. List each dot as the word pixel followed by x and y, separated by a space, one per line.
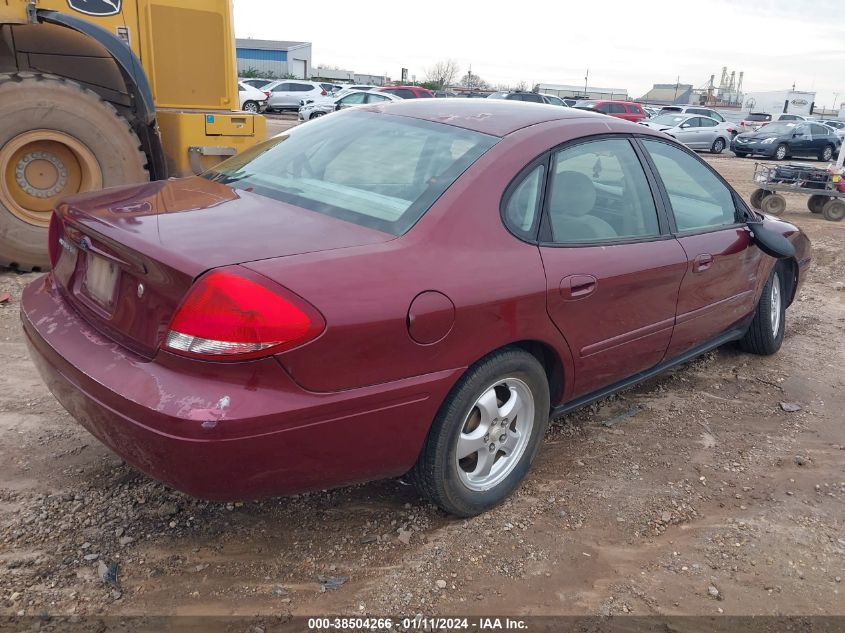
pixel 699 199
pixel 599 191
pixel 715 115
pixel 522 208
pixel 302 88
pixel 617 108
pixel 374 97
pixel 282 88
pixel 604 108
pixel 354 99
pixel 533 97
pixel 424 95
pixel 819 130
pixel 705 122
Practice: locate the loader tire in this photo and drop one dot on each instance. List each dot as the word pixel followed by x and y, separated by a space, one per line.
pixel 57 138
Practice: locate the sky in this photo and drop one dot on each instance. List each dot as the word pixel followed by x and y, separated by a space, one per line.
pixel 624 44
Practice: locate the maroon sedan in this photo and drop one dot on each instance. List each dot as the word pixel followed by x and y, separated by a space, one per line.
pixel 408 288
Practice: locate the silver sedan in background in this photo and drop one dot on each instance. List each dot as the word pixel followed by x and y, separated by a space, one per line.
pixel 314 109
pixel 694 131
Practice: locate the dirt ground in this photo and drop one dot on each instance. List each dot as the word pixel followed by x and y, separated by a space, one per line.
pixel 694 493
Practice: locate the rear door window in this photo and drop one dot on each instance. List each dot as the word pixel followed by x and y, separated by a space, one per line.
pixel 616 108
pixel 599 191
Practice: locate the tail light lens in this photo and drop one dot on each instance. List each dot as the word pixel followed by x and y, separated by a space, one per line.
pixel 324 93
pixel 230 315
pixel 267 93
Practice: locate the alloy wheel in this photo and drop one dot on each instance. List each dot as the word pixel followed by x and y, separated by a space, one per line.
pixel 775 304
pixel 494 434
pixel 780 152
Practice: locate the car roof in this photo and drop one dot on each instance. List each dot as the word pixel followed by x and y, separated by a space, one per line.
pixel 497 117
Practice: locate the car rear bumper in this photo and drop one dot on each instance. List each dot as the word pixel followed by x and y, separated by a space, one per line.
pixel 225 431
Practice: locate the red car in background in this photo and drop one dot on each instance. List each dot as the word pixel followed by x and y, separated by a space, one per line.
pixel 408 288
pixel 407 92
pixel 620 109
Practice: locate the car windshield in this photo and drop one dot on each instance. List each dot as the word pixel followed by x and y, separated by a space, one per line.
pixel 670 119
pixel 759 117
pixel 781 127
pixel 375 170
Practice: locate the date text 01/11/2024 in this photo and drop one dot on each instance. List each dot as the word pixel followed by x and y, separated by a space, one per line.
pixel 418 623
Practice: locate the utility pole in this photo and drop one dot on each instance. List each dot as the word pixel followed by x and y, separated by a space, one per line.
pixel 586 77
pixel 677 83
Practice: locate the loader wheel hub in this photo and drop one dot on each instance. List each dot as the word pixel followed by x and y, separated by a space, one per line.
pixel 39 168
pixel 41 175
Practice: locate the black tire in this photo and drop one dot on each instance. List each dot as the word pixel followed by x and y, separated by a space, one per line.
pixel 31 103
pixel 741 154
pixel 781 152
pixel 816 203
pixel 718 146
pixel 826 155
pixel 251 106
pixel 436 473
pixel 760 338
pixel 773 204
pixel 317 115
pixel 834 210
pixel 757 198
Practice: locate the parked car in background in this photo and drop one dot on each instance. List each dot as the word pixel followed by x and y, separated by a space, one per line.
pixel 256 82
pixel 570 102
pixel 786 116
pixel 251 99
pixel 754 120
pixel 553 100
pixel 352 98
pixel 694 131
pixel 690 109
pixel 651 112
pixel 407 92
pixel 446 94
pixel 517 95
pixel 287 94
pixel 787 139
pixel 294 319
pixel 619 109
pixel 733 128
pixel 838 127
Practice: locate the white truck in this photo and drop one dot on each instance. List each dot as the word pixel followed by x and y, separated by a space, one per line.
pixel 777 102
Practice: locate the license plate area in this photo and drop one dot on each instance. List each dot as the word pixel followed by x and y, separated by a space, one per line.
pixel 100 281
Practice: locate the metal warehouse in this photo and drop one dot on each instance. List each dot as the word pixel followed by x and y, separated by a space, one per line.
pixel 274 58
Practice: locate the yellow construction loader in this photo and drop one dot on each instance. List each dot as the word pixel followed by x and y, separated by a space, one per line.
pixel 98 93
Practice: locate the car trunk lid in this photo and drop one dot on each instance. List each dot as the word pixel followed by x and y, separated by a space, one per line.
pixel 125 258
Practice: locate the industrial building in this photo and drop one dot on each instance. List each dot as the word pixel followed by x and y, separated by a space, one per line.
pixel 583 92
pixel 670 94
pixel 348 76
pixel 271 58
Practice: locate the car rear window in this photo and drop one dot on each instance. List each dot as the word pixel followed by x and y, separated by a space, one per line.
pixel 759 117
pixel 375 170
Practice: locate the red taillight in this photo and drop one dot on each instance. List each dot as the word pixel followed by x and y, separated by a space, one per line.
pixel 54 233
pixel 234 316
pixel 324 93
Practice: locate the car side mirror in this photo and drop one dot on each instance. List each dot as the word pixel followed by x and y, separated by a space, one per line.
pixel 771 241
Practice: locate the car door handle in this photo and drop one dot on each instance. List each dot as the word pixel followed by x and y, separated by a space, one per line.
pixel 576 287
pixel 702 262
